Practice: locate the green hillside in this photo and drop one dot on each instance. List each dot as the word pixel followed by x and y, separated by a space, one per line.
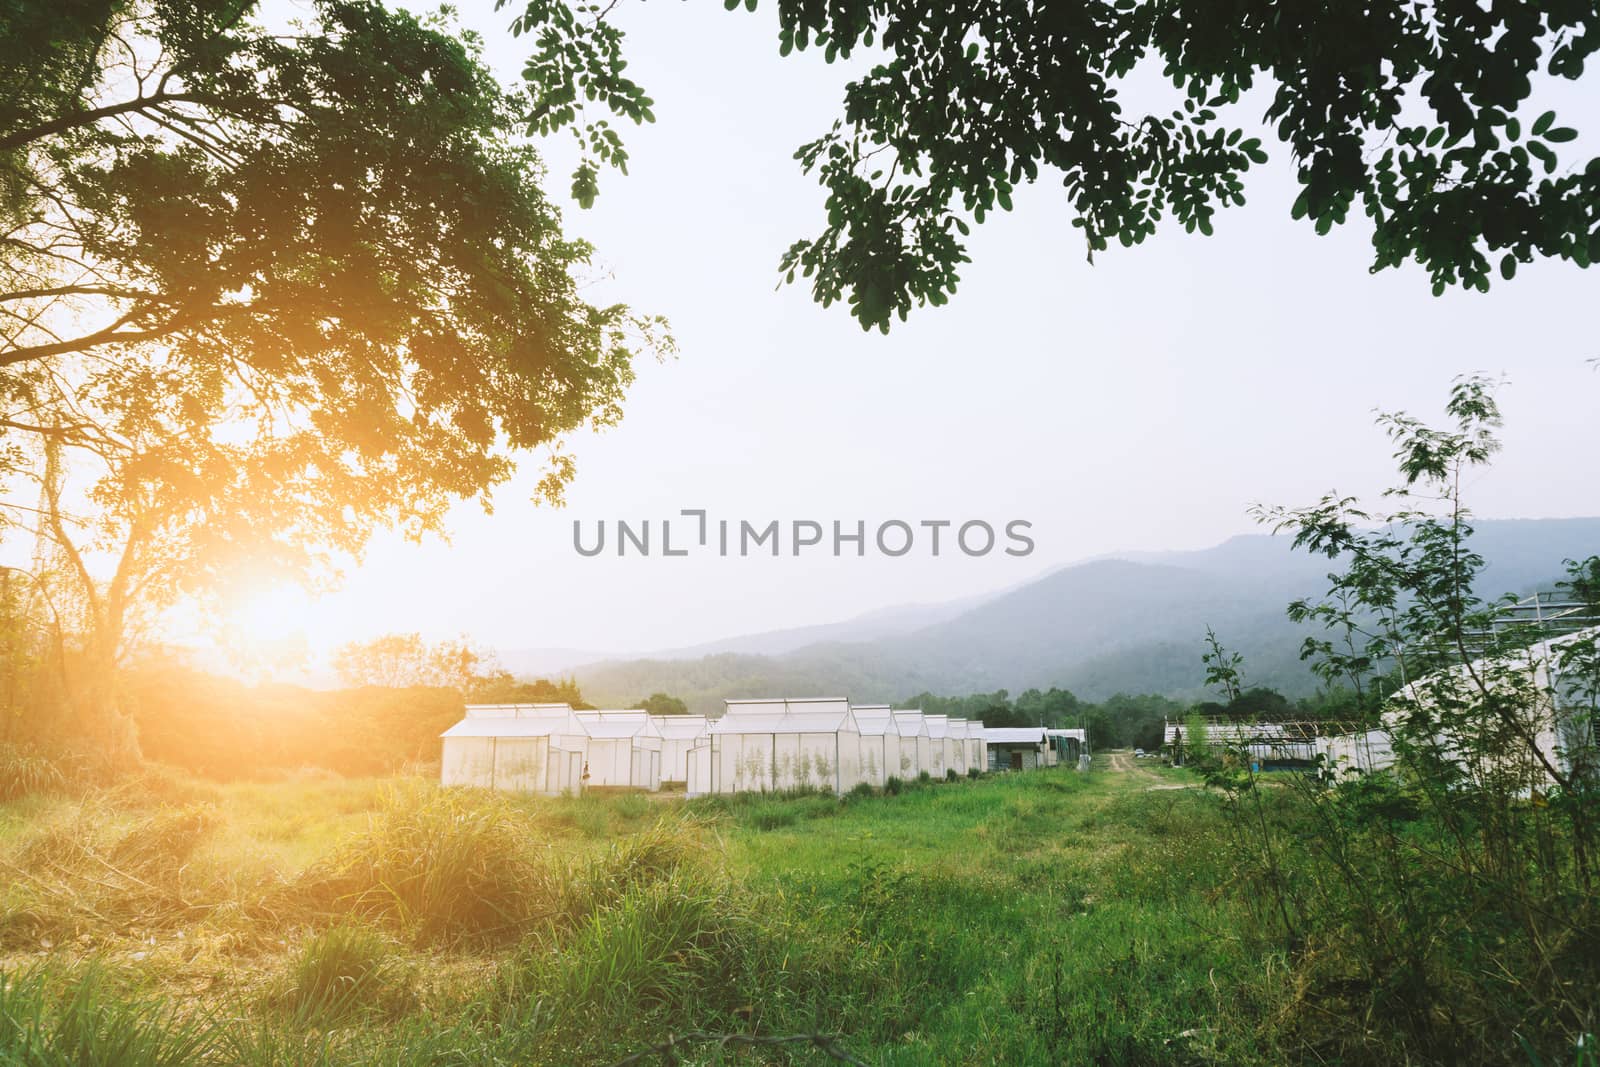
pixel 1096 628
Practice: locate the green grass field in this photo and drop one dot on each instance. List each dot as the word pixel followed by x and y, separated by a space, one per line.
pixel 1047 917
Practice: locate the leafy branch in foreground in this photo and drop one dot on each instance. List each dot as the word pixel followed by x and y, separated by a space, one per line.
pixel 1421 116
pixel 1434 875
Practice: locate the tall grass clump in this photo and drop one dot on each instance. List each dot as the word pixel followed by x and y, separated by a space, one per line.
pixel 84 1020
pixel 342 971
pixel 440 865
pixel 24 772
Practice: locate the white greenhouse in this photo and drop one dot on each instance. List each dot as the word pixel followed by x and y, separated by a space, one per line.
pixel 680 735
pixel 977 751
pixel 624 749
pixel 525 748
pixel 761 745
pixel 956 745
pixel 938 745
pixel 913 727
pixel 880 742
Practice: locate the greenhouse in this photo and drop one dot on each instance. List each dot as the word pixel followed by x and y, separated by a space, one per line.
pixel 525 748
pixel 765 745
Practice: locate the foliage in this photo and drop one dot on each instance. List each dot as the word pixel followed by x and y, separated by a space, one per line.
pixel 1424 115
pixel 268 292
pixel 663 704
pixel 400 660
pixel 1450 900
pixel 202 723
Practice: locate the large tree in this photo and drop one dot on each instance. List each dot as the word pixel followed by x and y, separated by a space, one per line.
pixel 264 289
pixel 1423 115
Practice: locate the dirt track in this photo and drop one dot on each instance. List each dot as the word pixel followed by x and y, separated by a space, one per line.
pixel 1122 760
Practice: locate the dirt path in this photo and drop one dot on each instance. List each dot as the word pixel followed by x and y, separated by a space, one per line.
pixel 1122 760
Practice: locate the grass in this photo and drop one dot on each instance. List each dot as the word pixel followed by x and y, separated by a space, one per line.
pixel 1046 917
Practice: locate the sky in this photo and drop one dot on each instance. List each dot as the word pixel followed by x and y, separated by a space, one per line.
pixel 1141 403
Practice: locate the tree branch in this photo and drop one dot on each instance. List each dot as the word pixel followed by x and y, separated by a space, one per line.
pixel 90 116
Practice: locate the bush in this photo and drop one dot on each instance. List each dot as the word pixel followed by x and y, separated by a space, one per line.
pixel 973 772
pixel 862 789
pixel 950 774
pixel 924 777
pixel 893 786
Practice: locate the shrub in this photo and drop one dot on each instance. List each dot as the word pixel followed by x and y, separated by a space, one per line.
pixel 950 774
pixel 924 777
pixel 893 786
pixel 973 772
pixel 862 789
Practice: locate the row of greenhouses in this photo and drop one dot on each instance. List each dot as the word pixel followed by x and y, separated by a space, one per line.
pixel 754 746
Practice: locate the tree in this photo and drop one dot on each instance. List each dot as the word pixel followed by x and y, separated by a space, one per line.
pixel 1472 819
pixel 1422 114
pixel 264 292
pixel 662 704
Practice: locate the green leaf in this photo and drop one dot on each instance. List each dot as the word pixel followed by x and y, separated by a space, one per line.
pixel 1561 134
pixel 1542 123
pixel 1508 266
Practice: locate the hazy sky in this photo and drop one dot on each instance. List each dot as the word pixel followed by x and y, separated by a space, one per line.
pixel 1141 403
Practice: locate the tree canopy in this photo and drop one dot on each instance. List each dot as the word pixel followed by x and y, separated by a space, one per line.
pixel 265 289
pixel 1423 116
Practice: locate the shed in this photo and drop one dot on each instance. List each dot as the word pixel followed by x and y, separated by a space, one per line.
pixel 762 745
pixel 624 749
pixel 527 748
pixel 880 742
pixel 680 735
pixel 914 742
pixel 1016 748
pixel 1066 745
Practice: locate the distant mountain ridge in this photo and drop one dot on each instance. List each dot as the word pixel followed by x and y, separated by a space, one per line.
pixel 1133 623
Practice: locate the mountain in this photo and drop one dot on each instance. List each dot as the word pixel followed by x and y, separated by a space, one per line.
pixel 1133 624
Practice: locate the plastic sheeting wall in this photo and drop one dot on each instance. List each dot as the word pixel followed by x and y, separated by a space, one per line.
pixel 741 762
pixel 697 770
pixel 675 757
pixel 913 756
pixel 514 764
pixel 880 757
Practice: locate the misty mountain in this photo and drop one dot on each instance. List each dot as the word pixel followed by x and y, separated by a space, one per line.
pixel 1133 624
